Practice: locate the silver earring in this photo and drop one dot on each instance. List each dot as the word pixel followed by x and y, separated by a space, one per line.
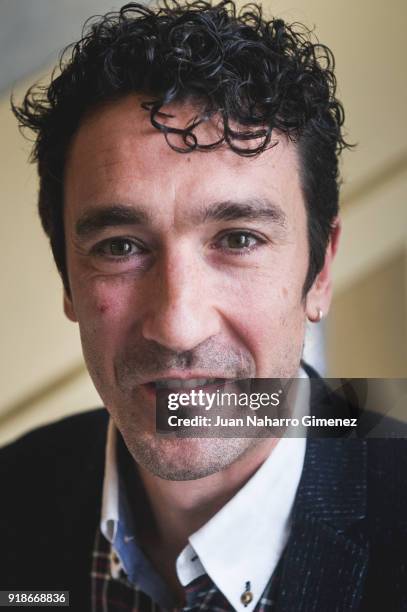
pixel 318 317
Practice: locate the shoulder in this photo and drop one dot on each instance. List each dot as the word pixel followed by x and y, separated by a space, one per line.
pixel 64 446
pixel 386 480
pixel 57 435
pixel 386 524
pixel 51 482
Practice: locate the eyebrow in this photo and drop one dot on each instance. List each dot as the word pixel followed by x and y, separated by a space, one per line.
pixel 113 215
pixel 117 215
pixel 252 209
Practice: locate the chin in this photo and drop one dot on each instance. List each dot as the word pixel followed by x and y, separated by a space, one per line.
pixel 186 458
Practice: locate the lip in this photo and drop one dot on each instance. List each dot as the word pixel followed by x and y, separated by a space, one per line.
pixel 183 375
pixel 151 390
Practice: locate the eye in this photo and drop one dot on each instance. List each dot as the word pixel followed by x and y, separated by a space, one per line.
pixel 239 241
pixel 118 248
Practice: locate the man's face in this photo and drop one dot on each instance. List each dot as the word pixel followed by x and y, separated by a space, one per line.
pixel 180 266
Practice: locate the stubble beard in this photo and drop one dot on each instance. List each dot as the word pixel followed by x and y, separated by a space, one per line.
pixel 172 458
pixel 165 455
pixel 187 458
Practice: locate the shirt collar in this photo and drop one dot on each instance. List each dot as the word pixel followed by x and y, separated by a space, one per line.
pixel 257 518
pixel 244 541
pixel 110 496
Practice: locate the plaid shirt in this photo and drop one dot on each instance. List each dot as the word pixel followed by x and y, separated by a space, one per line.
pixel 119 595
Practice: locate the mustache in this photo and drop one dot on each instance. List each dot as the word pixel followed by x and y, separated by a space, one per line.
pixel 148 359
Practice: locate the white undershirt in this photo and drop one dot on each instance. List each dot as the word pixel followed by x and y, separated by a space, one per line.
pixel 244 541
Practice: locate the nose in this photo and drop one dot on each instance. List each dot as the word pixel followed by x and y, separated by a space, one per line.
pixel 181 313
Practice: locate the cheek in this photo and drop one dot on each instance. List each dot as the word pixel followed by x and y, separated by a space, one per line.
pixel 103 310
pixel 271 313
pixel 104 322
pixel 101 297
pixel 269 322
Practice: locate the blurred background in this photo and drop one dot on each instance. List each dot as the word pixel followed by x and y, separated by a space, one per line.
pixel 365 334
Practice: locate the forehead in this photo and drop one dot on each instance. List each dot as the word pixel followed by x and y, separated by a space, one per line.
pixel 117 156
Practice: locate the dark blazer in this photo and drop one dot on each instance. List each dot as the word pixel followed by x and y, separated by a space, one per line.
pixel 347 550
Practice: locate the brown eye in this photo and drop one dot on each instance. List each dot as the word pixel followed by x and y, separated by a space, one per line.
pixel 238 240
pixel 120 247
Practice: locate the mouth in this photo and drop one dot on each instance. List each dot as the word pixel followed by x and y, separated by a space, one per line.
pixel 184 384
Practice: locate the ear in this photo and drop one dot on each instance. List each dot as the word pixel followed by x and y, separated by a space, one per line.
pixel 318 298
pixel 68 308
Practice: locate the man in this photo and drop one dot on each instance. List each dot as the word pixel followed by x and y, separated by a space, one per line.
pixel 188 184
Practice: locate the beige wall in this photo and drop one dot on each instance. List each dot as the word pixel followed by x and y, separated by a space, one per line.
pixel 42 375
pixel 367 334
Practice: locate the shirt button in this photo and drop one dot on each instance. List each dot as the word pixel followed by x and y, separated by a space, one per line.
pixel 116 559
pixel 246 598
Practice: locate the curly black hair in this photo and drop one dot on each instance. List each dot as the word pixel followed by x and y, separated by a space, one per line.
pixel 260 75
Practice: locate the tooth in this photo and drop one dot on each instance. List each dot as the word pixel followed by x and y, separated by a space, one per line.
pixel 175 384
pixel 196 382
pixel 183 384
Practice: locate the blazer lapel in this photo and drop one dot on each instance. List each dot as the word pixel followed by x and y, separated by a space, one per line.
pixel 325 561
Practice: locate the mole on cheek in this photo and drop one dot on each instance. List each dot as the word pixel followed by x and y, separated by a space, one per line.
pixel 103 308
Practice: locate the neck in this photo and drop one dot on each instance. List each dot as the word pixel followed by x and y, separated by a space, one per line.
pixel 179 508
